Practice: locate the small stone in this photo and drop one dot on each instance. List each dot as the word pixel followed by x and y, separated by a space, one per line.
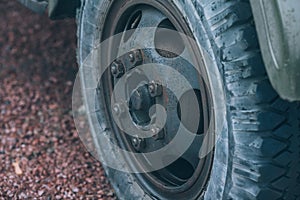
pixel 41 192
pixel 75 189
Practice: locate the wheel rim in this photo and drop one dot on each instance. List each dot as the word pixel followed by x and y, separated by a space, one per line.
pixel 188 173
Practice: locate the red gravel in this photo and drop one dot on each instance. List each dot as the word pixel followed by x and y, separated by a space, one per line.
pixel 41 155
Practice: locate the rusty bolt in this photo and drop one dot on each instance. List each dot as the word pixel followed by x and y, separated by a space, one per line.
pixel 117 69
pixel 135 57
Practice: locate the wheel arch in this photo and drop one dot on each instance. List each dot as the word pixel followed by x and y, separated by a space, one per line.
pixel 57 9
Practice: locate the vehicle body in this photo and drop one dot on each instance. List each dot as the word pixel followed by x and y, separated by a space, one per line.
pixel 57 9
pixel 277 24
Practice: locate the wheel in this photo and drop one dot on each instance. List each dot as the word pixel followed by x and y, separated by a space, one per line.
pixel 255 150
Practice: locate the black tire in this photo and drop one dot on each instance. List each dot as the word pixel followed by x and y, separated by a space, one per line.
pixel 258 157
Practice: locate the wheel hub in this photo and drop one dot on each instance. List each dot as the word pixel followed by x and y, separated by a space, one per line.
pixel 189 172
pixel 139 105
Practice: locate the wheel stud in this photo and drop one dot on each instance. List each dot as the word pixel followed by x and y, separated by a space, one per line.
pixel 117 69
pixel 155 89
pixel 138 143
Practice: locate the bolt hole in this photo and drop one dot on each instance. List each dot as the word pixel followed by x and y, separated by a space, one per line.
pixel 168 42
pixel 181 168
pixel 132 24
pixel 178 172
pixel 190 111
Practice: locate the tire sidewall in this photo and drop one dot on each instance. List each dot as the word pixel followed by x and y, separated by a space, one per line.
pixel 94 12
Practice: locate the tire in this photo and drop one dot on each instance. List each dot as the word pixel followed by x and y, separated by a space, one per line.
pixel 258 156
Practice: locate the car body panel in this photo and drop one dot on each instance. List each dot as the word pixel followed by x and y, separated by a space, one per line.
pixel 57 9
pixel 278 28
pixel 35 5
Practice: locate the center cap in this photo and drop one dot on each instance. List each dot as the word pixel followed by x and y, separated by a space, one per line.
pixel 139 105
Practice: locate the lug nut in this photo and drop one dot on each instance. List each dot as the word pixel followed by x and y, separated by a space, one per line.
pixel 138 143
pixel 131 57
pixel 151 88
pixel 114 69
pixel 155 89
pixel 117 69
pixel 135 57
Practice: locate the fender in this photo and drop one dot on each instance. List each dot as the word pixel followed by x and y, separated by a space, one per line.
pixel 278 27
pixel 57 9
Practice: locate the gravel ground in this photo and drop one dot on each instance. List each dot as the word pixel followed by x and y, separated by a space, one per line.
pixel 41 155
